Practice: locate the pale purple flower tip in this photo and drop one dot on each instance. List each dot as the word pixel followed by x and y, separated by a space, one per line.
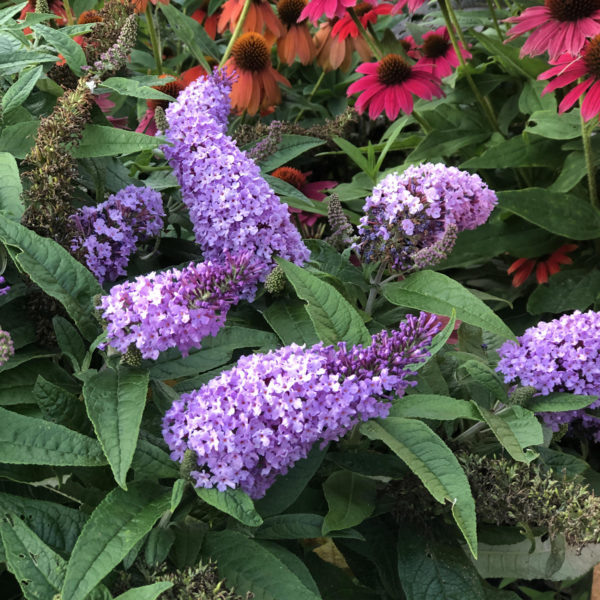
pixel 6 347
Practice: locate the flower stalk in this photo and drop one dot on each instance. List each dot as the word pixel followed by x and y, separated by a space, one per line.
pixel 586 131
pixel 156 51
pixel 371 40
pixel 236 33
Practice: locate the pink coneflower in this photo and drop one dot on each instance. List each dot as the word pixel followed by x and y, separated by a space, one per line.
pixel 560 27
pixel 390 83
pixel 413 6
pixel 437 55
pixel 567 69
pixel 334 53
pixel 315 9
pixel 367 13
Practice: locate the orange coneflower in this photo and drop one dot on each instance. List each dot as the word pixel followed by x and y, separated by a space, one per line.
pixel 209 22
pixel 56 7
pixel 296 39
pixel 140 5
pixel 260 18
pixel 522 268
pixel 256 85
pixel 334 53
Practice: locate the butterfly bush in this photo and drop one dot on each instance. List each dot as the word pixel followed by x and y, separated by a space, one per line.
pixel 253 422
pixel 562 355
pixel 411 220
pixel 7 348
pixel 176 308
pixel 108 233
pixel 232 208
pixel 4 287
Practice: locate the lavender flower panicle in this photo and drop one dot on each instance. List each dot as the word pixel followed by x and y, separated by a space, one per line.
pixel 411 220
pixel 252 423
pixel 4 287
pixel 176 308
pixel 7 348
pixel 231 206
pixel 109 232
pixel 562 355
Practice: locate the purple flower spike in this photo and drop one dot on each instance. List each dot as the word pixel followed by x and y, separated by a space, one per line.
pixel 6 347
pixel 176 308
pixel 562 355
pixel 4 287
pixel 231 206
pixel 252 423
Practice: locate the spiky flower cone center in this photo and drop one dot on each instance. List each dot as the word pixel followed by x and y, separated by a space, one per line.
pixel 289 11
pixel 89 16
pixel 435 46
pixel 172 88
pixel 251 52
pixel 393 70
pixel 572 10
pixel 291 176
pixel 362 8
pixel 591 56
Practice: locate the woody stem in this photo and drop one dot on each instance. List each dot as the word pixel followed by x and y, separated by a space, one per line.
pixel 236 32
pixel 371 41
pixel 589 159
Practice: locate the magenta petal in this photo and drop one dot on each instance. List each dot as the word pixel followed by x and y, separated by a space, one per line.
pixel 590 106
pixel 574 95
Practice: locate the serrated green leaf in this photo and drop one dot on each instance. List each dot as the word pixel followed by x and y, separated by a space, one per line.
pixel 433 462
pixel 549 124
pixel 18 139
pixel 248 567
pixel 566 215
pixel 69 341
pixel 146 592
pixel 38 569
pixel 332 315
pixel 102 140
pixel 19 91
pixel 59 405
pixel 433 406
pixel 439 294
pixel 559 402
pixel 158 544
pixel 149 461
pixel 486 377
pixel 113 529
pixel 575 289
pixel 11 189
pixel 290 321
pixel 58 274
pixel 350 498
pixel 69 48
pixel 233 502
pixel 132 87
pixel 115 401
pixel 30 441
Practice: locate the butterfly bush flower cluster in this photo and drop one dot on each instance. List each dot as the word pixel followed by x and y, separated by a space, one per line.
pixel 176 308
pixel 108 233
pixel 7 348
pixel 4 287
pixel 231 206
pixel 411 220
pixel 562 355
pixel 252 423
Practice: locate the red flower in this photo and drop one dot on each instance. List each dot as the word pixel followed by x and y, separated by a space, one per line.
pixel 568 69
pixel 366 13
pixel 437 54
pixel 390 83
pixel 560 27
pixel 209 22
pixel 56 7
pixel 522 268
pixel 413 5
pixel 295 39
pixel 260 18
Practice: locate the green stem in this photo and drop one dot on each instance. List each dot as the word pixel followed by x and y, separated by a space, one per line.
pixel 496 25
pixel 425 126
pixel 454 21
pixel 589 160
pixel 374 289
pixel 487 109
pixel 70 19
pixel 236 32
pixel 371 41
pixel 312 93
pixel 156 51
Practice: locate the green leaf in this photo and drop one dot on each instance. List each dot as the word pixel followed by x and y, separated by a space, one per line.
pixel 566 215
pixel 115 401
pixel 158 544
pixel 247 566
pixel 286 489
pixel 233 502
pixel 531 99
pixel 102 140
pixel 146 592
pixel 351 499
pixel 332 315
pixel 192 34
pixel 291 146
pixel 487 378
pixel 575 289
pixel 445 142
pixel 38 569
pixel 69 341
pixel 18 139
pixel 113 529
pixel 573 171
pixel 517 151
pixel 431 460
pixel 189 535
pixel 439 294
pixel 433 406
pixel 438 341
pixel 59 405
pixel 290 321
pixel 549 124
pixel 134 88
pixel 58 274
pixel 559 402
pixel 149 461
pixel 69 48
pixel 30 441
pixel 11 189
pixel 19 91
pixel 506 435
pixel 353 153
pixel 290 527
pixel 431 571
